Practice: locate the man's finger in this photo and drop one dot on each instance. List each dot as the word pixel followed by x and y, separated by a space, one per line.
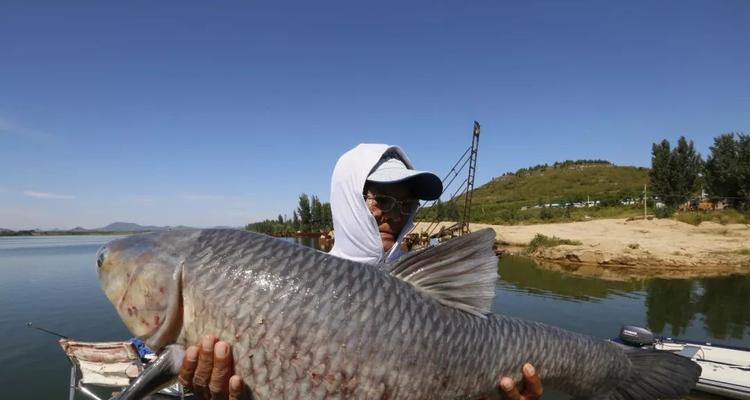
pixel 532 384
pixel 508 389
pixel 205 365
pixel 222 370
pixel 237 389
pixel 187 370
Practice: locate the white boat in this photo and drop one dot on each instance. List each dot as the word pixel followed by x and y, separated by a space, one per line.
pixel 106 365
pixel 725 369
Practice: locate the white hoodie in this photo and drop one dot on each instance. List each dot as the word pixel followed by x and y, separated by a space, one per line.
pixel 357 236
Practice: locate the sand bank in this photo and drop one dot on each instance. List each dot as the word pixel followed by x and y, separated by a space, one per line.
pixel 645 248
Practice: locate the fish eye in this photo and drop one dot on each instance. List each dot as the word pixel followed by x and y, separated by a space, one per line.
pixel 100 258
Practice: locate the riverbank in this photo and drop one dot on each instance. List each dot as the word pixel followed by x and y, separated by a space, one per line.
pixel 616 248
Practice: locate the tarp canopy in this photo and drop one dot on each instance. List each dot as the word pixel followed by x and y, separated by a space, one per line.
pixel 103 363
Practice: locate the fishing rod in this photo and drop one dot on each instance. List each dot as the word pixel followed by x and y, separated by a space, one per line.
pixel 31 325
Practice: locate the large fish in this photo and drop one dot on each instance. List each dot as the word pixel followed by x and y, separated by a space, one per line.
pixel 307 325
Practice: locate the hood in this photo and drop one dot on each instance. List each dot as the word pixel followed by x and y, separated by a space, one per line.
pixel 357 237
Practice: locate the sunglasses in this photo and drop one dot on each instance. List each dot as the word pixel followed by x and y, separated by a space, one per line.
pixel 386 203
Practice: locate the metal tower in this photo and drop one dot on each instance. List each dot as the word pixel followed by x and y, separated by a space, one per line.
pixel 465 188
pixel 470 180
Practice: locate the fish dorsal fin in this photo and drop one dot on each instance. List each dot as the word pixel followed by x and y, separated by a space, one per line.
pixel 460 273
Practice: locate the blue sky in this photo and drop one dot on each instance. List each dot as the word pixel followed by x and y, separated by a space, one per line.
pixel 219 114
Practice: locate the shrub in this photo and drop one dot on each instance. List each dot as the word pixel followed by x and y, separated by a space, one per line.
pixel 546 214
pixel 664 212
pixel 546 241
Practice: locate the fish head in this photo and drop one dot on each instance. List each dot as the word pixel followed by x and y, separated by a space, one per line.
pixel 142 276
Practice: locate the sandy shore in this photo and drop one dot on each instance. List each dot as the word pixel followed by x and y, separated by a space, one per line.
pixel 615 248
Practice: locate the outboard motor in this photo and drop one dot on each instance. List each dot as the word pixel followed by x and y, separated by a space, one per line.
pixel 636 336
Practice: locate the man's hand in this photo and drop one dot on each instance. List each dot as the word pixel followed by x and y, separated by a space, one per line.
pixel 207 371
pixel 531 389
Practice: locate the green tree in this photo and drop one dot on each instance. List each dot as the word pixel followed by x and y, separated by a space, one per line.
pixel 295 220
pixel 743 149
pixel 674 172
pixel 686 164
pixel 316 213
pixel 728 169
pixel 660 174
pixel 327 216
pixel 439 210
pixel 303 210
pixel 450 211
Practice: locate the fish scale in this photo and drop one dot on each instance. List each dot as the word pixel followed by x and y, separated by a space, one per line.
pixel 306 325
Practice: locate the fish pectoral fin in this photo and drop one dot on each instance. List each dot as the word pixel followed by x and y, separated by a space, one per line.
pixel 158 374
pixel 460 273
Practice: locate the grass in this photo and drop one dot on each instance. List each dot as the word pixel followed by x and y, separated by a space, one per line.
pixel 501 200
pixel 540 241
pixel 743 252
pixel 726 216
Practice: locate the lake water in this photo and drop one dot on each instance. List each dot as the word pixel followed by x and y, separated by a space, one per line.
pixel 52 282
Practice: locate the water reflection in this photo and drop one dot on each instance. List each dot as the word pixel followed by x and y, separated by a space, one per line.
pixel 524 274
pixel 706 308
pixel 726 305
pixel 668 301
pixel 723 303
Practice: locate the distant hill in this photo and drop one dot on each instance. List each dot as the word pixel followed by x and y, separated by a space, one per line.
pixel 502 200
pixel 130 227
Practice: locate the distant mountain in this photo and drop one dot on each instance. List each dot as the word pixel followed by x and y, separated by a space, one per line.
pixel 130 227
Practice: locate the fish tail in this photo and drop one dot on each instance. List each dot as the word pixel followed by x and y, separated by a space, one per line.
pixel 156 375
pixel 657 375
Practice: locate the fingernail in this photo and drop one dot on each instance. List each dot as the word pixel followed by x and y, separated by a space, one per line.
pixel 506 383
pixel 221 349
pixel 529 369
pixel 207 343
pixel 192 354
pixel 234 383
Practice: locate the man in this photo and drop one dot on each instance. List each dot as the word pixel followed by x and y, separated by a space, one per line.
pixel 375 193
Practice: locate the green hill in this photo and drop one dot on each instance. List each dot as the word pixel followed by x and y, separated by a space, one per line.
pixel 564 191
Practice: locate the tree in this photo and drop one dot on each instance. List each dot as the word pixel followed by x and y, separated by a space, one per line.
pixel 728 169
pixel 673 173
pixel 743 150
pixel 304 212
pixel 450 211
pixel 295 220
pixel 280 219
pixel 327 216
pixel 660 174
pixel 316 213
pixel 688 165
pixel 439 210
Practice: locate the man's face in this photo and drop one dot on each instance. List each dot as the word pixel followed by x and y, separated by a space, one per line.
pixel 390 222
